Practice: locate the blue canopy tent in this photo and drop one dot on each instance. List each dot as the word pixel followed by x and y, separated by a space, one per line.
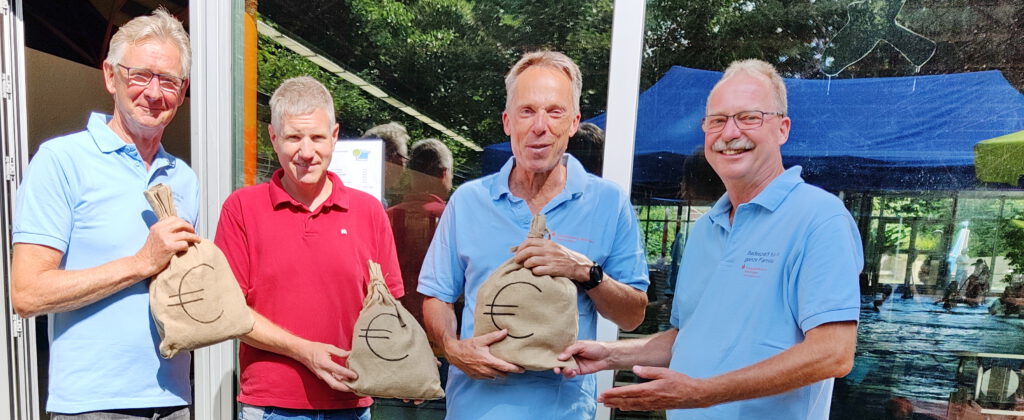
pixel 879 134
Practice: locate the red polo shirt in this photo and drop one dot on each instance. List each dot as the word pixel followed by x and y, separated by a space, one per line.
pixel 307 272
pixel 414 221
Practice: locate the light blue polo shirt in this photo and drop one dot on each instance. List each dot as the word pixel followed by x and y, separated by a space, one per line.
pixel 82 195
pixel 750 289
pixel 481 222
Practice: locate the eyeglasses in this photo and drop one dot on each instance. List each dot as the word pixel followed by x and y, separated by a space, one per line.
pixel 142 77
pixel 746 120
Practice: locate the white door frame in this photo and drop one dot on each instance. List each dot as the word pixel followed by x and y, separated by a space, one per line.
pixel 19 392
pixel 620 130
pixel 212 25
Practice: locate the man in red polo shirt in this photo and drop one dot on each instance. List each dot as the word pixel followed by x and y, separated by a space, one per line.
pixel 415 218
pixel 299 246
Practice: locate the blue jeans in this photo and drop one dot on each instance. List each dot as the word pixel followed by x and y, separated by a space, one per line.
pixel 252 412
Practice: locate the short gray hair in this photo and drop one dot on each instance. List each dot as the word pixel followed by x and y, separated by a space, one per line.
pixel 430 156
pixel 300 96
pixel 758 68
pixel 158 26
pixel 396 138
pixel 552 59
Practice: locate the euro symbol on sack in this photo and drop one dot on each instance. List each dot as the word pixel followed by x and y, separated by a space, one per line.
pixel 494 305
pixel 369 329
pixel 192 294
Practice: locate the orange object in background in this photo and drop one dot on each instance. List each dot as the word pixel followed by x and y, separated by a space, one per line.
pixel 249 125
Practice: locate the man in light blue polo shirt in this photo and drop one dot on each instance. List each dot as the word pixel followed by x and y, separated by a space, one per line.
pixel 86 238
pixel 595 242
pixel 767 301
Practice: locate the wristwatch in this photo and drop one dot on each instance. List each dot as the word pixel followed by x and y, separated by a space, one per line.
pixel 596 276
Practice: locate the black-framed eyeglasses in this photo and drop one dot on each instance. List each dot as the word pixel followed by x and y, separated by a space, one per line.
pixel 745 120
pixel 142 77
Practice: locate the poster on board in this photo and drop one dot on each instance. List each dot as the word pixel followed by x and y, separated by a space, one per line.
pixel 360 164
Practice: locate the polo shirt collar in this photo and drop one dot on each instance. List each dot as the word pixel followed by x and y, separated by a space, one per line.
pixel 278 196
pixel 770 198
pixel 107 141
pixel 776 191
pixel 575 180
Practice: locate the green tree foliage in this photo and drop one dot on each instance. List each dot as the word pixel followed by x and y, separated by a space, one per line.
pixel 1013 238
pixel 447 58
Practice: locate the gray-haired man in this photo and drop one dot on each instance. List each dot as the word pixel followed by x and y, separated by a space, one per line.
pixel 85 237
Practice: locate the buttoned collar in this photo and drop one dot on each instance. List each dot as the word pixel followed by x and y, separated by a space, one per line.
pixel 770 198
pixel 279 196
pixel 107 141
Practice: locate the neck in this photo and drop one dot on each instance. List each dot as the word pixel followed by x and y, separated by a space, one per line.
pixel 309 195
pixel 743 191
pixel 146 140
pixel 537 188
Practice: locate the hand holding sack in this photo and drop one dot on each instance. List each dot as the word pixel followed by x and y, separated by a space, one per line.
pixel 196 300
pixel 390 352
pixel 539 313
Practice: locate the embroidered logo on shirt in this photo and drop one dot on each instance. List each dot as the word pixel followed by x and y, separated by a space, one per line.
pixel 756 262
pixel 568 239
pixel 344 231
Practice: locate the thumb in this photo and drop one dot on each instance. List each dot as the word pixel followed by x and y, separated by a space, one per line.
pixel 492 337
pixel 650 372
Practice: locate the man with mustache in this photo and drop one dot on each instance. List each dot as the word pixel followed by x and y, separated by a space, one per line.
pixel 595 243
pixel 767 302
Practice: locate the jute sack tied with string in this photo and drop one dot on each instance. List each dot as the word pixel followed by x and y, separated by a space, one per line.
pixel 390 351
pixel 539 312
pixel 196 300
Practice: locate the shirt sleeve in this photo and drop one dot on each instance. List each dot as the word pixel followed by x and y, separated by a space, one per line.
pixel 627 261
pixel 45 202
pixel 232 241
pixel 826 284
pixel 443 275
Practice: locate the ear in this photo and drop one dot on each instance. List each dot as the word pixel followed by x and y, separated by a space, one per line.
pixel 273 135
pixel 575 125
pixel 335 131
pixel 505 123
pixel 181 94
pixel 108 77
pixel 784 130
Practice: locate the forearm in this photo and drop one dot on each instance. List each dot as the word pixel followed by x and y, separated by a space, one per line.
pixel 621 304
pixel 440 322
pixel 268 336
pixel 653 350
pixel 38 287
pixel 827 355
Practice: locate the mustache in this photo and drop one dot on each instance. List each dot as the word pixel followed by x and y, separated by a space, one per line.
pixel 735 144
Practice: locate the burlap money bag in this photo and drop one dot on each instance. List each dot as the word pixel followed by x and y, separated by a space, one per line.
pixel 539 312
pixel 390 352
pixel 196 300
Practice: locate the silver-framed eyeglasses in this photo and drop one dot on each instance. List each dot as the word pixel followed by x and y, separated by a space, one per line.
pixel 142 77
pixel 746 120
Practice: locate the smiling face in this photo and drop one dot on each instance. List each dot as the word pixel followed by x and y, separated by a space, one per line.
pixel 304 144
pixel 146 109
pixel 749 156
pixel 540 118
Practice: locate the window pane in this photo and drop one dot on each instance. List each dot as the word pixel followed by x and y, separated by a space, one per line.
pixel 437 68
pixel 900 130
